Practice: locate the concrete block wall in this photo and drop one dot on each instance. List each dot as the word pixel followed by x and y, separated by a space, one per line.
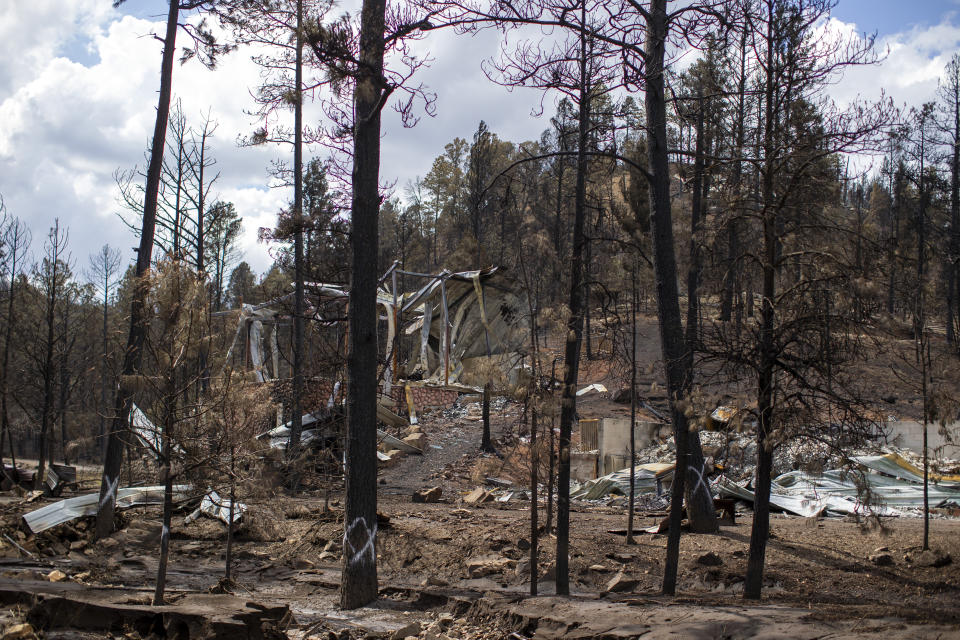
pixel 909 435
pixel 615 435
pixel 424 398
pixel 583 465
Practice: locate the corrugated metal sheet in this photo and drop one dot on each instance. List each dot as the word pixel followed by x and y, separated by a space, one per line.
pixel 86 505
pixel 647 477
pixel 216 507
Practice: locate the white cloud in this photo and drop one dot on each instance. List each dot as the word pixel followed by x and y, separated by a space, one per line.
pixel 68 127
pixel 911 64
pixel 32 32
pixel 68 121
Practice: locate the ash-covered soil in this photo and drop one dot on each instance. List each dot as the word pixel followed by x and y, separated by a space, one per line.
pixel 452 569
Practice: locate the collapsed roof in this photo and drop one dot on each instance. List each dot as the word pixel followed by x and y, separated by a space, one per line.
pixel 468 323
pixel 484 318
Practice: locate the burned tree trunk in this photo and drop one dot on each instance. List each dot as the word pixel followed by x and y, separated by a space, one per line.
pixel 132 355
pixel 760 530
pixel 296 424
pixel 167 515
pixel 359 581
pixel 571 369
pixel 485 444
pixel 676 354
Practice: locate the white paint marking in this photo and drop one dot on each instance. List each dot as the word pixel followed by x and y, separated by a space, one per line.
pixel 366 551
pixel 111 491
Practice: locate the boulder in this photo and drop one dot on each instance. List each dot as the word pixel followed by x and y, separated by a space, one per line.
pixel 881 558
pixel 445 620
pixel 481 567
pixel 410 629
pixel 431 494
pixel 621 583
pixel 418 440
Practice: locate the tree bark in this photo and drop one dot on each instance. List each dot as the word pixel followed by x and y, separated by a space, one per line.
pixel 296 423
pixel 676 354
pixel 110 479
pixel 568 403
pixel 359 580
pixel 485 443
pixel 633 404
pixel 233 501
pixel 167 519
pixel 15 257
pixel 760 530
pixel 953 257
pixel 47 408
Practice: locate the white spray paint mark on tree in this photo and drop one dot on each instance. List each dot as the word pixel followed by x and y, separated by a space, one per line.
pixel 111 491
pixel 365 552
pixel 700 480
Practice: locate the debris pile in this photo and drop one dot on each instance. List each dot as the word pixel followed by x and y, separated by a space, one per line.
pixel 884 485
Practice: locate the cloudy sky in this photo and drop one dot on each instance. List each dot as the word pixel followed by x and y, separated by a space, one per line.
pixel 78 83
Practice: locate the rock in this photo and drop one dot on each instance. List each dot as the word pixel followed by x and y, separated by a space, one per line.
pixel 523 569
pixel 19 632
pixel 523 544
pixel 478 496
pixel 331 545
pixel 881 559
pixel 621 557
pixel 620 584
pixel 418 440
pixel 56 576
pixel 481 567
pixel 411 629
pixel 445 620
pixel 709 559
pixel 933 558
pixel 108 544
pixel 428 495
pixel 78 545
pixel 549 572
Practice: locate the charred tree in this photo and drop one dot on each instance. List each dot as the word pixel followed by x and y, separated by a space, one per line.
pixel 359 582
pixel 113 461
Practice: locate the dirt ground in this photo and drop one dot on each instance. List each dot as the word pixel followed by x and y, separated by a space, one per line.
pixel 457 570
